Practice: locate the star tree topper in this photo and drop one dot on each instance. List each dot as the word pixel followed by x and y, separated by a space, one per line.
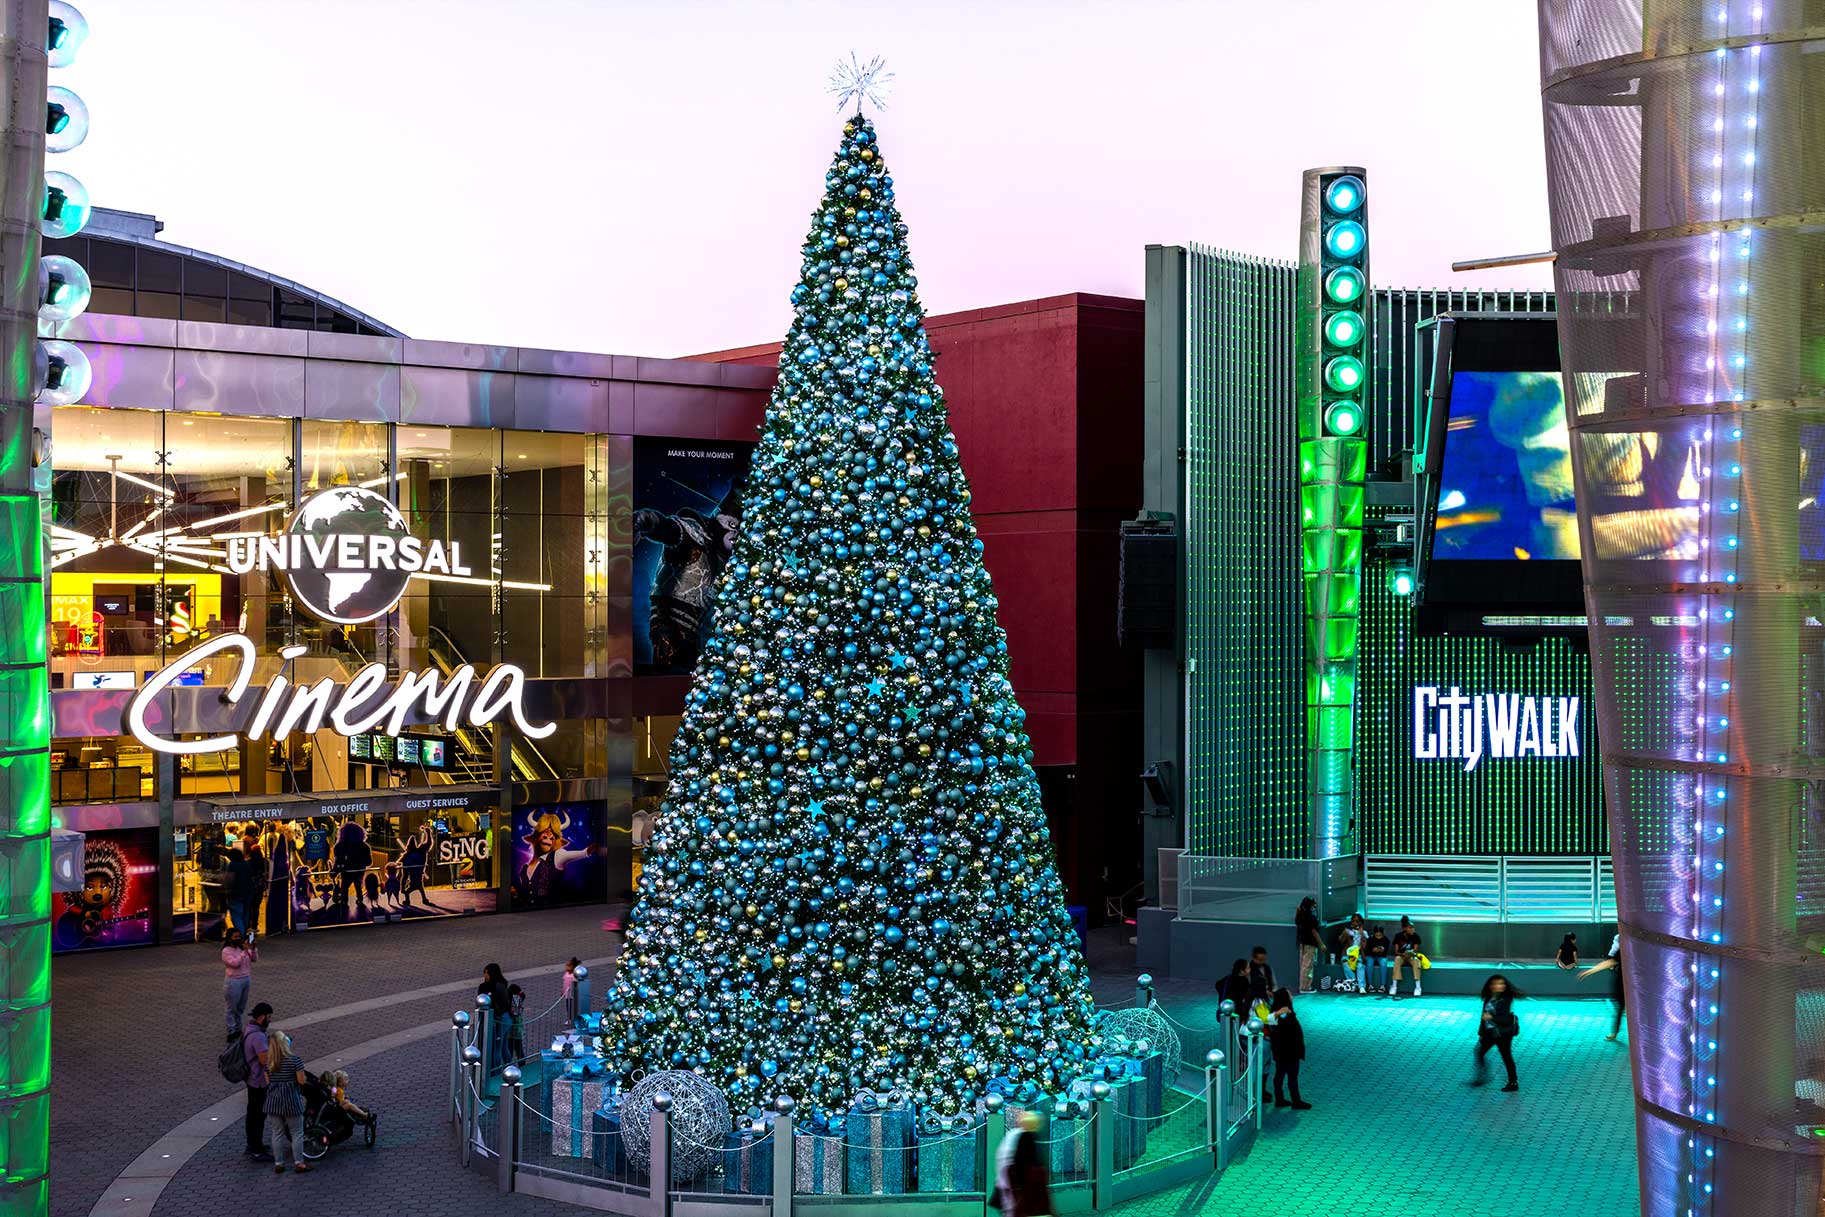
pixel 863 81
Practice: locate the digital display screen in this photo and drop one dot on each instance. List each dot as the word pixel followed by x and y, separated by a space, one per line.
pixel 101 680
pixel 383 747
pixel 405 750
pixel 182 678
pixel 1505 477
pixel 358 747
pixel 433 753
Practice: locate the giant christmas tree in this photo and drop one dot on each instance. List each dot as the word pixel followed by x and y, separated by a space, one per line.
pixel 851 884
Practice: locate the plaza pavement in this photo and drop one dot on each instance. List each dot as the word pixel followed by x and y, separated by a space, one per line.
pixel 1394 1129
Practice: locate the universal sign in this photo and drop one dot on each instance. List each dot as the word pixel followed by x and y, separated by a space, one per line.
pixel 346 555
pixel 1502 726
pixel 359 706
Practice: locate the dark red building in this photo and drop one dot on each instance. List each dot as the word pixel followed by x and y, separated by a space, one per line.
pixel 1045 398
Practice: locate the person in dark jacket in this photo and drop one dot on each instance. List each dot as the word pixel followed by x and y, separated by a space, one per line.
pixel 500 1019
pixel 1310 932
pixel 1287 1040
pixel 1260 978
pixel 1022 1184
pixel 240 890
pixel 1375 958
pixel 1234 988
pixel 1497 1029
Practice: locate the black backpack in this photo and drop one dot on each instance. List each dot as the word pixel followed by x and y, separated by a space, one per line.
pixel 233 1060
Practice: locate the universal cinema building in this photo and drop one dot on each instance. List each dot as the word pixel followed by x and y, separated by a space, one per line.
pixel 414 616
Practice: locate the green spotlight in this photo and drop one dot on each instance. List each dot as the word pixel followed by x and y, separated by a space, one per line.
pixel 1345 239
pixel 1344 194
pixel 1343 329
pixel 1343 374
pixel 1342 418
pixel 1344 285
pixel 1400 581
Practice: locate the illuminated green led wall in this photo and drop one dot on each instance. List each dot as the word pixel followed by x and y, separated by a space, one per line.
pixel 1524 804
pixel 1244 697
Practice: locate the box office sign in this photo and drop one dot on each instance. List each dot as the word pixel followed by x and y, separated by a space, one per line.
pixel 300 807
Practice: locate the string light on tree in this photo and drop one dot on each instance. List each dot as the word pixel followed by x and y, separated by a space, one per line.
pixel 851 885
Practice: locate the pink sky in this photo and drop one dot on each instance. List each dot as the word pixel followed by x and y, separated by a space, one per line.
pixel 636 175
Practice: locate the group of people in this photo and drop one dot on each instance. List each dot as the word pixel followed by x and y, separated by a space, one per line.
pixel 1251 992
pixel 277 1084
pixel 1367 954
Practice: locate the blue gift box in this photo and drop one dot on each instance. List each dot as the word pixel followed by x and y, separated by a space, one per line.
pixel 948 1160
pixel 878 1142
pixel 1150 1071
pixel 1127 1107
pixel 606 1148
pixel 817 1164
pixel 1067 1142
pixel 571 1099
pixel 747 1164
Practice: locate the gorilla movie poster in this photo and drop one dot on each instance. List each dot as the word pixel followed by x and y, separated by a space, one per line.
pixel 687 511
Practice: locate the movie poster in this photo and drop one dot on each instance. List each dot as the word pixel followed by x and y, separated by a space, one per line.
pixel 687 511
pixel 119 888
pixel 559 855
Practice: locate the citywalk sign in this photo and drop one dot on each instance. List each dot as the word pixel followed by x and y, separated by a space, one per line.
pixel 359 706
pixel 1454 725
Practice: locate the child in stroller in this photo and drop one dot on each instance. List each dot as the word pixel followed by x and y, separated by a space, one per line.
pixel 331 1117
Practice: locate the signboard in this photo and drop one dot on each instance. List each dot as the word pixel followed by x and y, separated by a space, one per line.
pixel 351 709
pixel 113 907
pixel 101 680
pixel 378 803
pixel 1453 725
pixel 558 855
pixel 687 511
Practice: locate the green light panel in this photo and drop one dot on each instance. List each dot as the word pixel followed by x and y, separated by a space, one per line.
pixel 1510 805
pixel 1245 697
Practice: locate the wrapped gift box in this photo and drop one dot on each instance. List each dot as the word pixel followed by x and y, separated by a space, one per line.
pixel 1067 1142
pixel 1127 1106
pixel 571 1099
pixel 1150 1071
pixel 817 1165
pixel 878 1142
pixel 606 1149
pixel 747 1164
pixel 948 1160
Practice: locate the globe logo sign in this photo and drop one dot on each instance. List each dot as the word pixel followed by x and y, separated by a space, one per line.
pixel 347 555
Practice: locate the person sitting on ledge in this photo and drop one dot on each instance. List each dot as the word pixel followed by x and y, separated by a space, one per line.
pixel 1567 956
pixel 1407 947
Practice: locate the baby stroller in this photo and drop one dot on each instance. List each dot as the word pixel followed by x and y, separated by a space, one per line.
pixel 326 1124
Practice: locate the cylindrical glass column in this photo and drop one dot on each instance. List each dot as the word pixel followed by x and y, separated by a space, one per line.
pixel 1687 177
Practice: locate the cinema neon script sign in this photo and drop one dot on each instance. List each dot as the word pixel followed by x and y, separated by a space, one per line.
pixel 350 709
pixel 346 555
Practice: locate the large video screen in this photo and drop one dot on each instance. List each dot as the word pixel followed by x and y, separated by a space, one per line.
pixel 1505 476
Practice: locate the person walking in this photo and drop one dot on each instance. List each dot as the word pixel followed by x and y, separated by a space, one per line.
pixel 1022 1185
pixel 1260 983
pixel 1619 998
pixel 1407 954
pixel 285 1103
pixel 1286 1037
pixel 238 959
pixel 571 1012
pixel 1497 1029
pixel 254 1047
pixel 1310 932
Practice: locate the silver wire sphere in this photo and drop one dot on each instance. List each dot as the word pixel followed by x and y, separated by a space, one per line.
pixel 699 1116
pixel 1135 1024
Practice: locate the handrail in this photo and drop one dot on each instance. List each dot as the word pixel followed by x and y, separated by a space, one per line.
pixel 523 755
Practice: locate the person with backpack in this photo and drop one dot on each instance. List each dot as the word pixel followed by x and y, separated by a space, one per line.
pixel 250 1063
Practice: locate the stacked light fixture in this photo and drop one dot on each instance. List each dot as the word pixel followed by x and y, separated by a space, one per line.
pixel 1331 380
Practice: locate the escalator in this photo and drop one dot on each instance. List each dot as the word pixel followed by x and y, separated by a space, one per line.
pixel 475 748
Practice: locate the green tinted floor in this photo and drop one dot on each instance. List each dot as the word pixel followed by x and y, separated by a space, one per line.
pixel 1395 1130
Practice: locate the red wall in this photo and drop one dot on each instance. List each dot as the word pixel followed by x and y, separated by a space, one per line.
pixel 1045 399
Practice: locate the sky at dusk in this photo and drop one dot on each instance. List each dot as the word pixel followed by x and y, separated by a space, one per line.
pixel 636 176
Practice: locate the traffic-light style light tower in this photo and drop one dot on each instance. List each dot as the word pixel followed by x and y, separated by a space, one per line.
pixel 1331 374
pixel 35 297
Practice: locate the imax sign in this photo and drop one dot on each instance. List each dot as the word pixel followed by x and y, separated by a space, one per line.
pixel 1454 725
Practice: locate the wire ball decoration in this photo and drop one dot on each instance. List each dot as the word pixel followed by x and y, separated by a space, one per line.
pixel 699 1116
pixel 862 81
pixel 1134 1024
